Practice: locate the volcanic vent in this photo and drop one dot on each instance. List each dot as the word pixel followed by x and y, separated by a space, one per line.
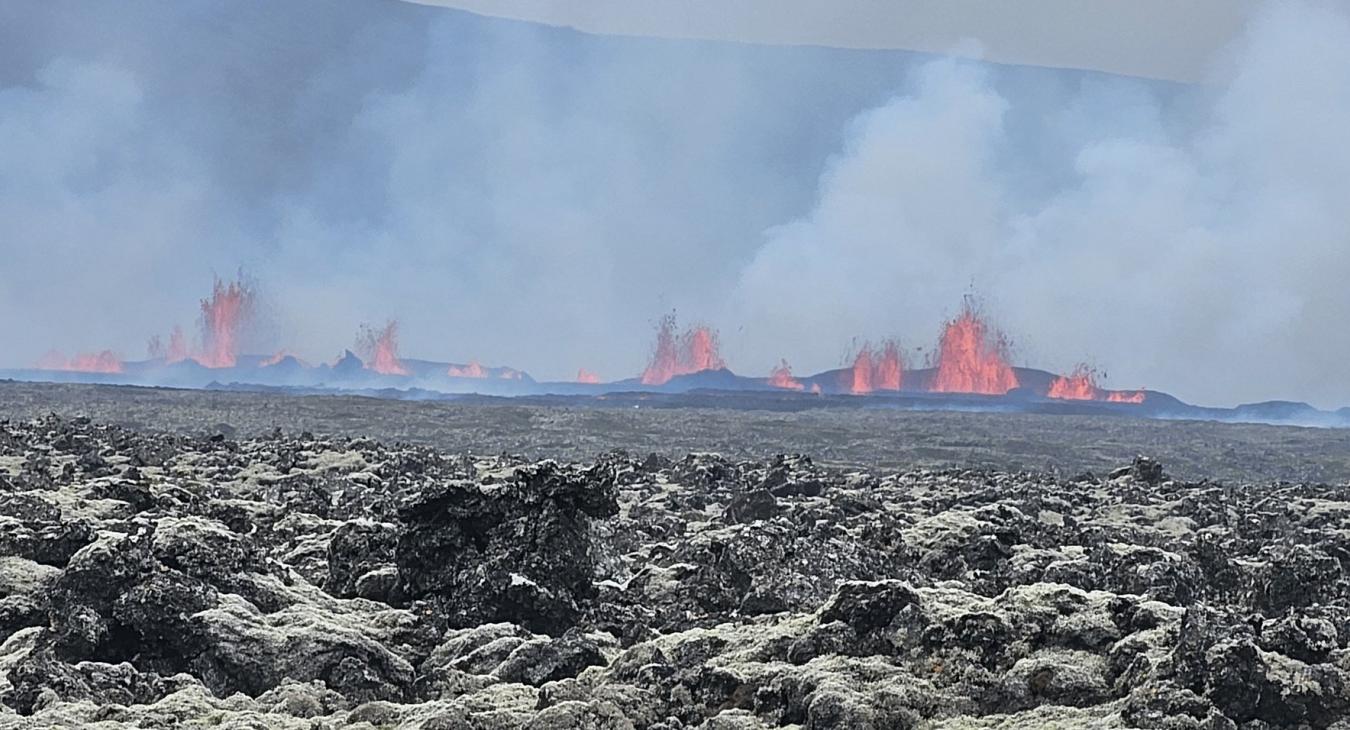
pixel 379 349
pixel 693 351
pixel 972 357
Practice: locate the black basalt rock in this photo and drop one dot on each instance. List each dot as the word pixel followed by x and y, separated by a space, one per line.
pixel 515 549
pixel 757 504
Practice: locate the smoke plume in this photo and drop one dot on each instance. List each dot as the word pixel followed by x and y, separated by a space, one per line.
pixel 532 196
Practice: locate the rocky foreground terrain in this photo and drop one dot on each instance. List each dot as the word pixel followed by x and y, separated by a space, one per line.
pixel 174 581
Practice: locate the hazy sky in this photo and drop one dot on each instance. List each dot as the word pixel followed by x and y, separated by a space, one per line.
pixel 533 196
pixel 1162 39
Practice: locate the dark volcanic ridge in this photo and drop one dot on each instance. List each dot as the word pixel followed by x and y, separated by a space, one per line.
pixel 428 380
pixel 155 580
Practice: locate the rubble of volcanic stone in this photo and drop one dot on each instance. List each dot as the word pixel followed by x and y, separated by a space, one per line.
pixel 165 581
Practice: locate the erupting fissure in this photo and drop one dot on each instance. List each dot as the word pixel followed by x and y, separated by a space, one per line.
pixel 1081 384
pixel 879 369
pixel 1125 396
pixel 379 349
pixel 224 316
pixel 781 377
pixel 972 358
pixel 694 351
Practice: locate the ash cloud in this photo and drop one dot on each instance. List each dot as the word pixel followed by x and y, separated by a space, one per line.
pixel 536 197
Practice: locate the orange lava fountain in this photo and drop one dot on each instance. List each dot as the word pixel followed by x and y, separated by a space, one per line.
pixel 877 369
pixel 85 362
pixel 379 349
pixel 781 377
pixel 1081 384
pixel 224 317
pixel 972 359
pixel 700 347
pixel 588 377
pixel 694 351
pixel 862 372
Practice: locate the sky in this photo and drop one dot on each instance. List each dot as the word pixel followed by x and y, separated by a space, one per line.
pixel 1161 39
pixel 534 196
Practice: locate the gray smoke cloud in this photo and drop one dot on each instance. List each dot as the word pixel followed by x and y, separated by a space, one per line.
pixel 537 197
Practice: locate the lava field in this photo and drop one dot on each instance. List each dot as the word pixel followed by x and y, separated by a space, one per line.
pixel 171 581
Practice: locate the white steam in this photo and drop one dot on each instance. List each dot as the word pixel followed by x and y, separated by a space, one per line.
pixel 1210 261
pixel 532 197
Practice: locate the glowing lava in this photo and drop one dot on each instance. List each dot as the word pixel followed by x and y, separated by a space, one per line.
pixel 379 349
pixel 588 377
pixel 862 372
pixel 692 352
pixel 972 359
pixel 781 377
pixel 85 362
pixel 472 370
pixel 1081 384
pixel 224 317
pixel 877 369
pixel 278 356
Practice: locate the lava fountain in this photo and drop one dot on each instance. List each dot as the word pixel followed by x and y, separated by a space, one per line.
pixel 379 349
pixel 781 377
pixel 1081 384
pixel 694 351
pixel 223 319
pixel 880 369
pixel 587 377
pixel 862 372
pixel 972 358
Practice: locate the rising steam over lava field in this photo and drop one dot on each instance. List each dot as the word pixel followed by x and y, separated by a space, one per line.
pixel 583 378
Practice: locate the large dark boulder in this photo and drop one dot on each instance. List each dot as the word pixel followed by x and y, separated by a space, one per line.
pixel 515 549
